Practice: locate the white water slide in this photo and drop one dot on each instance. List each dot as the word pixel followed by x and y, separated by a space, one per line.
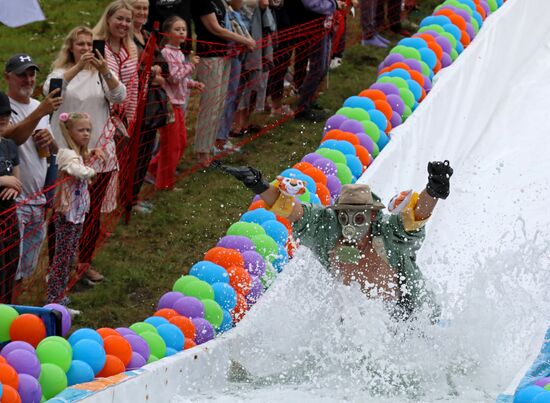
pixel 486 255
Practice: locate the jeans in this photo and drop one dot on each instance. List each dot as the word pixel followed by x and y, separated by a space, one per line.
pixel 32 231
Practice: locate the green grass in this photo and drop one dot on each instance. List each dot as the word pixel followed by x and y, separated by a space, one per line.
pixel 142 260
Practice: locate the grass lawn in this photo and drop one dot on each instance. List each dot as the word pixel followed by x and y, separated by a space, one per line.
pixel 143 259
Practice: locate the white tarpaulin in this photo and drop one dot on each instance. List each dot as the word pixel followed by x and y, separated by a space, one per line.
pixel 15 13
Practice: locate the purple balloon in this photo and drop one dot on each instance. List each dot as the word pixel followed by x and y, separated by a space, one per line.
pixel 413 64
pixel 169 299
pixel 485 6
pixel 542 382
pixel 29 389
pixel 395 119
pixel 445 44
pixel 352 126
pixel 365 141
pixel 334 122
pixel 396 104
pixel 470 30
pixel 65 317
pixel 123 331
pixel 136 362
pixel 458 11
pixel 334 185
pixel 446 60
pixel 311 157
pixel 327 166
pixel 254 263
pixel 393 58
pixel 189 307
pixel 386 88
pixel 240 243
pixel 139 345
pixel 17 345
pixel 24 362
pixel 203 330
pixel 255 292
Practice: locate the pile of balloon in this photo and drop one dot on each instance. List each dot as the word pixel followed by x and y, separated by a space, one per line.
pixel 536 392
pixel 219 290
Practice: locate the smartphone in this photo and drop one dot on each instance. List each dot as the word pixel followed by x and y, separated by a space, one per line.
pixel 56 83
pixel 98 44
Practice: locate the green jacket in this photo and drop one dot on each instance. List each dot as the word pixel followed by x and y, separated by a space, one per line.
pixel 319 230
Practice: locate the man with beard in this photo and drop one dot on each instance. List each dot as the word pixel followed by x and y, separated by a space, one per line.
pixel 31 132
pixel 358 243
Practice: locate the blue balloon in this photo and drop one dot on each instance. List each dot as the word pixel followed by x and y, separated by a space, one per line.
pixel 314 199
pixel 382 141
pixel 500 3
pixel 172 336
pixel 378 118
pixel 257 216
pixel 354 164
pixel 329 144
pixel 91 352
pixel 469 3
pixel 477 16
pixel 170 351
pixel 276 230
pixel 210 272
pixel 454 31
pixel 85 333
pixel 415 88
pixel 359 102
pixel 156 321
pixel 459 47
pixel 227 322
pixel 428 56
pixel 281 260
pixel 1 390
pixel 435 20
pixel 401 73
pixel 225 295
pixel 345 147
pixel 526 395
pixel 79 372
pixel 294 173
pixel 417 43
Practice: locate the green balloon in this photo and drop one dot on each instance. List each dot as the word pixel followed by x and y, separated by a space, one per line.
pixel 344 174
pixel 407 97
pixel 265 246
pixel 398 81
pixel 475 24
pixel 454 54
pixel 425 69
pixel 247 229
pixel 60 340
pixel 333 155
pixel 52 380
pixel 457 4
pixel 7 316
pixel 407 52
pixel 213 312
pixel 199 289
pixel 433 27
pixel 547 386
pixel 151 359
pixel 156 344
pixel 54 352
pixel 493 5
pixel 269 276
pixel 450 38
pixel 371 130
pixel 358 114
pixel 344 111
pixel 182 282
pixel 141 327
pixel 305 197
pixel 43 399
pixel 375 149
pixel 406 113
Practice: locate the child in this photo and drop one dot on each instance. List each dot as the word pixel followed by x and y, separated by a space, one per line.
pixel 173 137
pixel 10 188
pixel 72 198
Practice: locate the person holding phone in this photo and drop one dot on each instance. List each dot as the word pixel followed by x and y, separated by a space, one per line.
pixel 89 85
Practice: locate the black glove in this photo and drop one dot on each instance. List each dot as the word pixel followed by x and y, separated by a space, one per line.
pixel 251 177
pixel 438 179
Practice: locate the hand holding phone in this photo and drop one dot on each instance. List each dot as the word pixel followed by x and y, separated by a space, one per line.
pixel 56 83
pixel 99 45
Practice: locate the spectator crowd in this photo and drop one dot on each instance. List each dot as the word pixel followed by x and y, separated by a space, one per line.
pixel 115 110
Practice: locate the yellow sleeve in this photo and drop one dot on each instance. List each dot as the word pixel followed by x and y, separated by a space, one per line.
pixel 409 222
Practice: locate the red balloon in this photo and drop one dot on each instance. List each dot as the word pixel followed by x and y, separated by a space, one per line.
pixel 224 257
pixel 29 328
pixel 166 313
pixel 373 94
pixel 10 395
pixel 257 204
pixel 106 332
pixel 384 107
pixel 316 174
pixel 185 325
pixel 113 366
pixel 188 343
pixel 300 166
pixel 240 309
pixel 8 376
pixel 239 279
pixel 323 193
pixel 119 347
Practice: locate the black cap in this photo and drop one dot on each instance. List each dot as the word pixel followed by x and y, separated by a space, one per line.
pixel 5 106
pixel 19 63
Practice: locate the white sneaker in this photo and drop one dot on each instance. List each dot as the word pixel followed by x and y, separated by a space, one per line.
pixel 74 312
pixel 335 63
pixel 229 146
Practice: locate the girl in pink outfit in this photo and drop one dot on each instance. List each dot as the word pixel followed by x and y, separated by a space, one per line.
pixel 173 137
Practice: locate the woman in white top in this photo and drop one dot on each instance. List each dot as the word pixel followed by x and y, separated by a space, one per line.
pixel 89 86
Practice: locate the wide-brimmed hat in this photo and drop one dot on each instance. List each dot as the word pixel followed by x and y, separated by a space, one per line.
pixel 357 197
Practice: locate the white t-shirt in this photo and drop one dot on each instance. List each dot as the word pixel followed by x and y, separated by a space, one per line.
pixel 32 168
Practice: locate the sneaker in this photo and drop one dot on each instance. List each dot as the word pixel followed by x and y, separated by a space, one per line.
pixel 374 41
pixel 93 275
pixel 229 146
pixel 149 178
pixel 73 312
pixel 335 63
pixel 142 208
pixel 382 39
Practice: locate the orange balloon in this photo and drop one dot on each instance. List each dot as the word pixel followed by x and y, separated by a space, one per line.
pixel 240 309
pixel 10 395
pixel 334 132
pixel 437 66
pixel 481 11
pixel 257 204
pixel 373 94
pixel 185 325
pixel 384 107
pixel 436 48
pixel 3 360
pixel 388 127
pixel 224 257
pixel 166 313
pixel 285 222
pixel 397 65
pixel 423 95
pixel 316 174
pixel 465 39
pixel 107 331
pixel 351 137
pixel 290 248
pixel 188 343
pixel 29 328
pixel 418 77
pixel 239 279
pixel 300 166
pixel 455 18
pixel 8 376
pixel 119 347
pixel 323 193
pixel 363 155
pixel 113 366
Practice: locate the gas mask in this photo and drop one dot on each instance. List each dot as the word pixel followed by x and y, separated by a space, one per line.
pixel 355 224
